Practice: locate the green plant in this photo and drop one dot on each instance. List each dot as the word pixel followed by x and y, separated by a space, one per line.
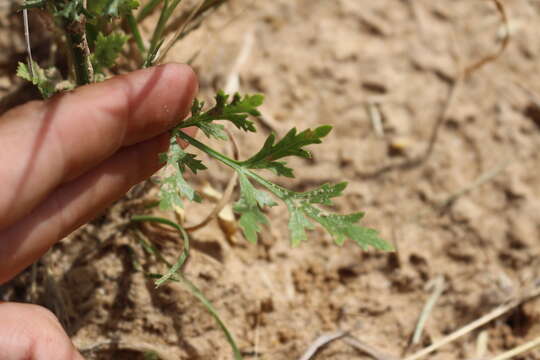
pixel 95 34
pixel 302 206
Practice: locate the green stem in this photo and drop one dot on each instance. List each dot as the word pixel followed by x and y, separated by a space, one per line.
pixel 174 269
pixel 150 248
pixel 208 305
pixel 80 53
pixel 147 9
pixel 277 190
pixel 175 274
pixel 157 36
pixel 215 154
pixel 132 23
pixel 192 21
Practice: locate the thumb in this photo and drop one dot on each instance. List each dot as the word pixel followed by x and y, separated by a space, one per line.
pixel 31 332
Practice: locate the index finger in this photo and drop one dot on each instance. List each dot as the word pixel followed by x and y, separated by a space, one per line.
pixel 50 142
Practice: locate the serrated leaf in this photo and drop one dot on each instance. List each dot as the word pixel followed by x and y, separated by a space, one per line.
pixel 264 199
pixel 252 195
pixel 250 220
pixel 216 131
pixel 174 187
pixel 24 73
pixel 169 195
pixel 248 206
pixel 298 223
pixel 291 144
pixel 322 195
pixel 193 164
pixel 107 49
pixel 236 111
pixel 368 237
pixel 44 84
pixel 184 159
pixel 342 227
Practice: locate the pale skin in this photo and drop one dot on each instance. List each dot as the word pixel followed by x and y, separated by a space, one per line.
pixel 62 162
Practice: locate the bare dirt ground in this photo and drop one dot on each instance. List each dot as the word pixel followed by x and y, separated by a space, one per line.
pixel 467 216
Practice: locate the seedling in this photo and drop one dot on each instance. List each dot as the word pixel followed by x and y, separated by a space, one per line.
pixel 303 206
pixel 95 35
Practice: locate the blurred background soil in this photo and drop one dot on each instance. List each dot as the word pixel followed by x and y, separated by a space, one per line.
pixel 466 216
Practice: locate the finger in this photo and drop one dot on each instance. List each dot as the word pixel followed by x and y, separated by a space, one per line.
pixel 31 332
pixel 47 143
pixel 76 203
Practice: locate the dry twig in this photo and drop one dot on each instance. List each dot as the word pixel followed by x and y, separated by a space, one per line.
pixel 521 349
pixel 321 341
pixel 327 338
pixel 506 40
pixel 374 113
pixel 179 32
pixel 438 286
pixel 495 313
pixel 482 344
pixel 233 80
pixel 367 349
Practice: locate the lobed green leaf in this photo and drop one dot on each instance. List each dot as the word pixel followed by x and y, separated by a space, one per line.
pixel 342 227
pixel 248 206
pixel 107 49
pixel 174 187
pixel 236 111
pixel 38 77
pixel 291 144
pixel 298 223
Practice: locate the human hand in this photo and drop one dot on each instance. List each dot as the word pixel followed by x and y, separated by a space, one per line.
pixel 62 162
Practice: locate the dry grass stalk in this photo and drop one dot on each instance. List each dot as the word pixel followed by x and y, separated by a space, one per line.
pixel 495 313
pixel 438 286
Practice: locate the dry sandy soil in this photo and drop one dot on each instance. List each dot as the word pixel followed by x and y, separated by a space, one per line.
pixel 466 217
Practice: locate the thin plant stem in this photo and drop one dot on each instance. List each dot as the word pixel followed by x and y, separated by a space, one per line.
pixel 215 154
pixel 175 274
pixel 147 9
pixel 277 190
pixel 134 27
pixel 27 39
pixel 185 253
pixel 208 305
pixel 157 36
pixel 77 45
pixel 438 288
pixel 522 349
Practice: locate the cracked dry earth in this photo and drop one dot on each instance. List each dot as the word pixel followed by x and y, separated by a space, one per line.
pixel 468 215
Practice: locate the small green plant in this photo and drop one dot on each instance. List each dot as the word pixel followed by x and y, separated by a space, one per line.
pixel 302 206
pixel 95 35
